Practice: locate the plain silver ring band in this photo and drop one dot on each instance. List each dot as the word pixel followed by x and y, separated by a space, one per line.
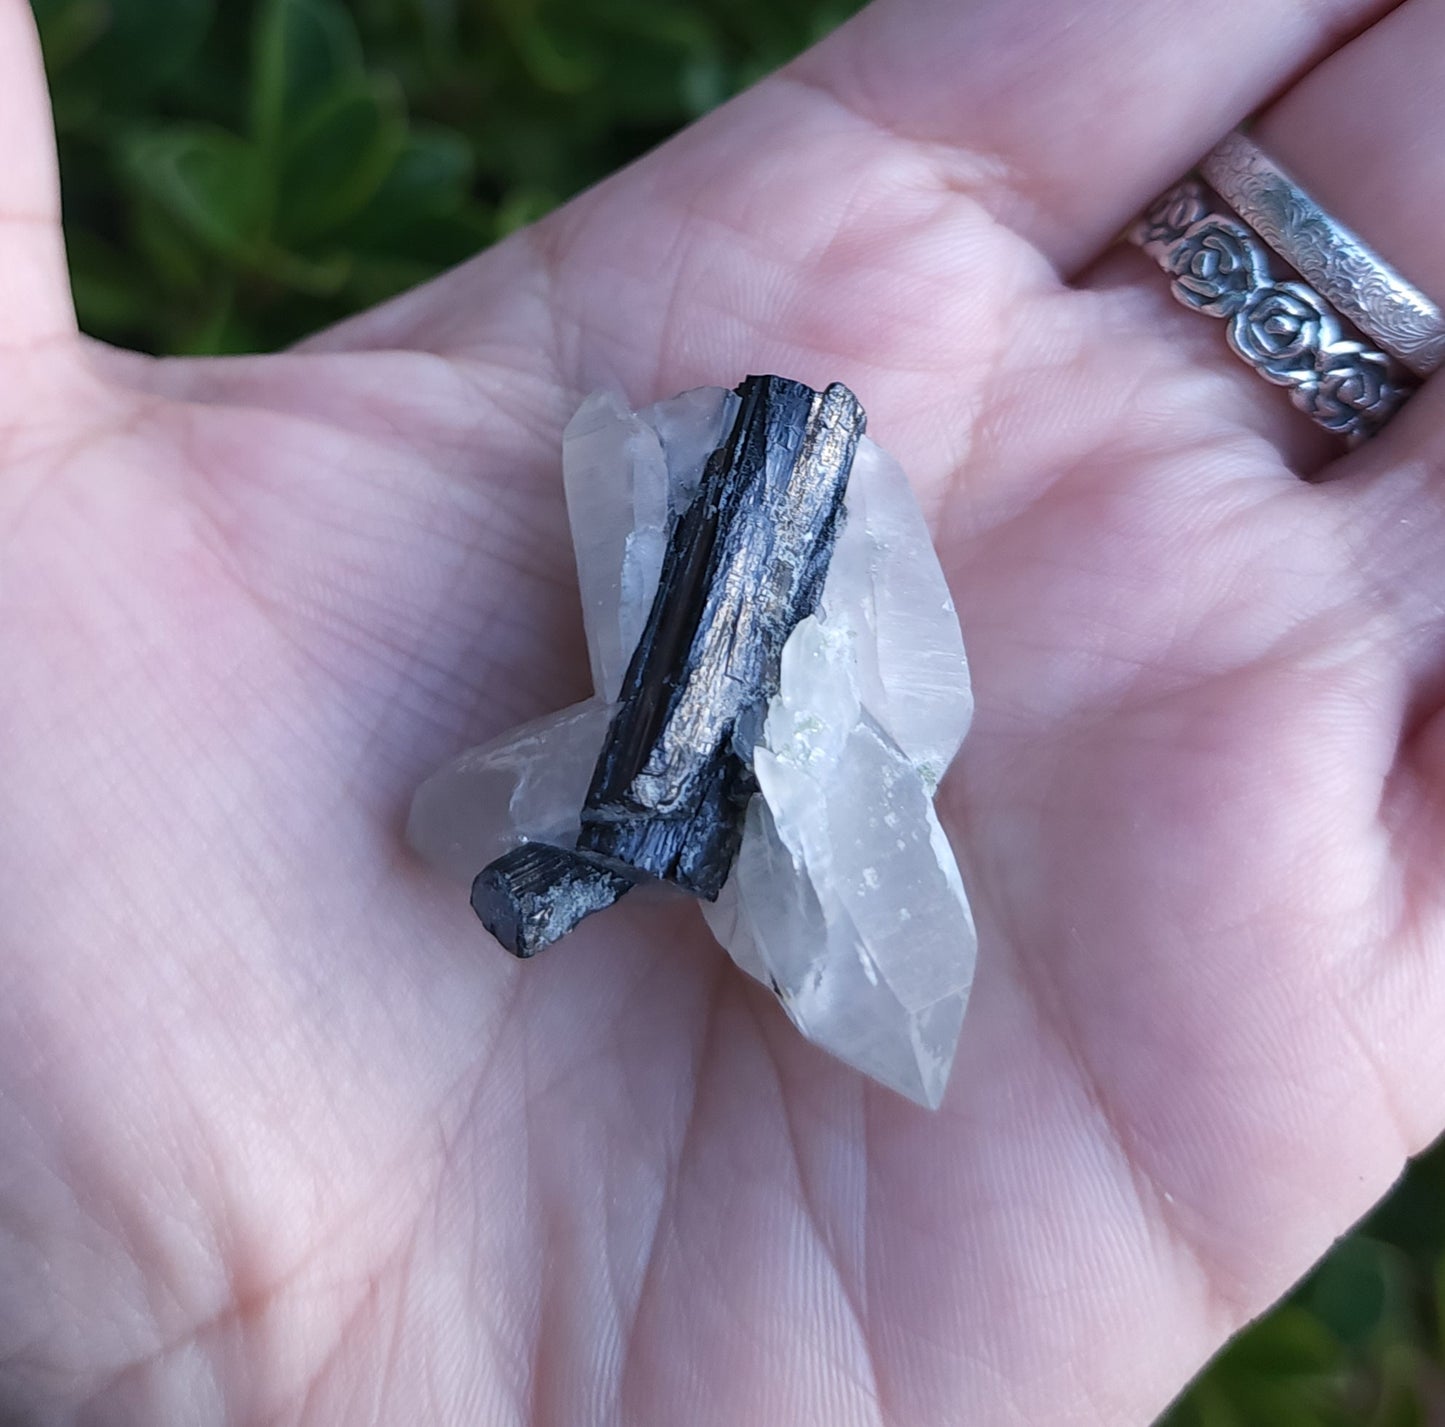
pixel 1344 270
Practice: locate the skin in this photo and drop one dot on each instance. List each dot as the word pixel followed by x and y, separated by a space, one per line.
pixel 284 1139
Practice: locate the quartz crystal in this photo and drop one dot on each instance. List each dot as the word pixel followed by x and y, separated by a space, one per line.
pixel 526 786
pixel 887 589
pixel 844 897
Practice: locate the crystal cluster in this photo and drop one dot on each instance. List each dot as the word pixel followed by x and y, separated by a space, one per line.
pixel 844 896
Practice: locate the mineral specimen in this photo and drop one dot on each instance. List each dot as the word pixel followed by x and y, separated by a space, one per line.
pixel 745 562
pixel 844 895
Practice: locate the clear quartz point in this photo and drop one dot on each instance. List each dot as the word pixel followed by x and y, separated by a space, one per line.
pixel 846 897
pixel 526 786
pixel 616 481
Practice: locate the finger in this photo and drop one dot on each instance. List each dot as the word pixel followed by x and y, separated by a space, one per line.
pixel 34 288
pixel 1363 133
pixel 1061 117
pixel 1068 115
pixel 1381 172
pixel 1378 171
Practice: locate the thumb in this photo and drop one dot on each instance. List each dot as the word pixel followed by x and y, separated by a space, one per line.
pixel 35 303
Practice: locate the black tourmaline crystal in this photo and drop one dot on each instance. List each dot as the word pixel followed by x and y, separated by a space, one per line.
pixel 536 894
pixel 744 565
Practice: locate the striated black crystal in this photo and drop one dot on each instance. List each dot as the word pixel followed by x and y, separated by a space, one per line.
pixel 745 564
pixel 536 894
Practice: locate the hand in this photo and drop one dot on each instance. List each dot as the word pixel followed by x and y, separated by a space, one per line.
pixel 284 1138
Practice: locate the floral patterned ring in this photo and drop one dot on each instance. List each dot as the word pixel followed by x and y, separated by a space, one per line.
pixel 1281 327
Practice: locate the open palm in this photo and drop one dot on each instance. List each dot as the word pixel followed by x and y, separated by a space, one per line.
pixel 284 1137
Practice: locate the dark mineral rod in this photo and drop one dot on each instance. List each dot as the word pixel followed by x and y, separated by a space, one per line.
pixel 744 565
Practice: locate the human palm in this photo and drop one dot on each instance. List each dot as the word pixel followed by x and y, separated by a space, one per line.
pixel 284 1137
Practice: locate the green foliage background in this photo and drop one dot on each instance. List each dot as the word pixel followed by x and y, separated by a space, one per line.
pixel 237 174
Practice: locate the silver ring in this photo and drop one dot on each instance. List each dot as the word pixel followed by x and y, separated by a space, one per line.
pixel 1360 284
pixel 1285 330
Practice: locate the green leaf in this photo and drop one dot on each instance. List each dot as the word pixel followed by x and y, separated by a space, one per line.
pixel 1400 1403
pixel 221 330
pixel 704 84
pixel 431 179
pixel 1290 1342
pixel 1288 1370
pixel 131 48
pixel 375 280
pixel 175 260
pixel 1410 1218
pixel 305 51
pixel 1206 1404
pixel 1359 1292
pixel 212 184
pixel 527 101
pixel 431 244
pixel 335 161
pixel 433 172
pixel 1439 1306
pixel 553 63
pixel 524 206
pixel 112 297
pixel 68 28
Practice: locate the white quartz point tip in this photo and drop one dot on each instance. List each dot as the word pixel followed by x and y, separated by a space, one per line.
pixel 847 897
pixel 526 786
pixel 827 978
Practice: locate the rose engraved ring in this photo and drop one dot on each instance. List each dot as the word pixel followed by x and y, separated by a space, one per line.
pixel 1359 283
pixel 1286 330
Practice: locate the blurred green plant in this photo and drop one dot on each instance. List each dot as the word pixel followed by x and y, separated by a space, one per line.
pixel 238 175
